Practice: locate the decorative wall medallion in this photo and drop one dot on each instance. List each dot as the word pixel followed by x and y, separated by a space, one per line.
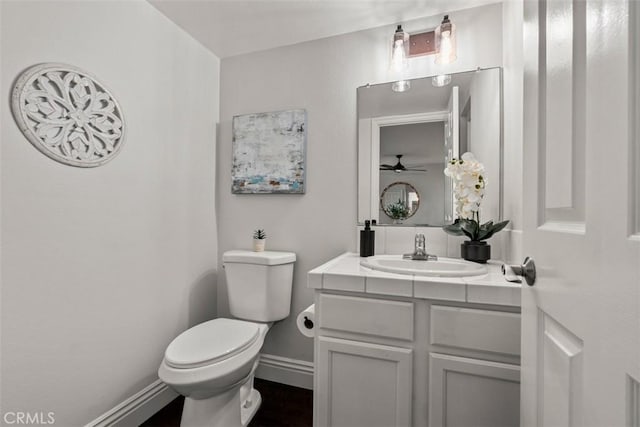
pixel 68 115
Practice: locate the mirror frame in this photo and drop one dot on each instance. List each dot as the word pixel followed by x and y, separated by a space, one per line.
pixel 382 207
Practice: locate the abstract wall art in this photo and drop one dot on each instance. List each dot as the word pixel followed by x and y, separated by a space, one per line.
pixel 269 152
pixel 68 115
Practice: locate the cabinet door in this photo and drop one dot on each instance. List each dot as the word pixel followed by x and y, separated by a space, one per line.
pixel 472 392
pixel 362 385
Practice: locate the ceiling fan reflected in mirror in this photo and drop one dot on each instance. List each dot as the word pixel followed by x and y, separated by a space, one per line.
pixel 399 167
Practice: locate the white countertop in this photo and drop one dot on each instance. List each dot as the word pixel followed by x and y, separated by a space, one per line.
pixel 344 273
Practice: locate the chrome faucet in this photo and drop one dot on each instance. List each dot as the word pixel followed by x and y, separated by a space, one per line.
pixel 420 250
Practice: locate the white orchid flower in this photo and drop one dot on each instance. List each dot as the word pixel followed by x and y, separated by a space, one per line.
pixel 467 174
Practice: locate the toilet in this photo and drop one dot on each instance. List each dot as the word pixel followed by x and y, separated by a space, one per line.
pixel 213 364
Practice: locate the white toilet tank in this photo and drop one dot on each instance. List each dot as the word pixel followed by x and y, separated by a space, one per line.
pixel 259 284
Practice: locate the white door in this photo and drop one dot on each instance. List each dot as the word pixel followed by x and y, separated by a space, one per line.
pixel 581 319
pixel 451 148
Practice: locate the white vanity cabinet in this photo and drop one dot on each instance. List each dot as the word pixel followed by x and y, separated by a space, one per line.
pixel 394 351
pixel 384 361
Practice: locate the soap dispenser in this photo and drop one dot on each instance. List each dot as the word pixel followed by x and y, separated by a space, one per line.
pixel 367 240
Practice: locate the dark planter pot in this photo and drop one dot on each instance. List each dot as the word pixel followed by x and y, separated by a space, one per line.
pixel 474 251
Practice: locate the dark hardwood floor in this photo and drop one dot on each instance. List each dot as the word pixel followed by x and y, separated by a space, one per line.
pixel 282 406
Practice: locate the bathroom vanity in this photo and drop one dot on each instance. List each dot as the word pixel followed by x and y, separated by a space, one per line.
pixel 411 350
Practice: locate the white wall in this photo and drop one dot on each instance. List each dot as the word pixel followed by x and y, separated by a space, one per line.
pixel 321 76
pixel 102 267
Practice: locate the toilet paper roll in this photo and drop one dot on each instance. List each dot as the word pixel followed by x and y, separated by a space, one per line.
pixel 306 321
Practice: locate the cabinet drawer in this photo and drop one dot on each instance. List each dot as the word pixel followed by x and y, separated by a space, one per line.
pixel 484 330
pixel 383 318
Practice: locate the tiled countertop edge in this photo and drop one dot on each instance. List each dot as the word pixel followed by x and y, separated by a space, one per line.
pixel 344 273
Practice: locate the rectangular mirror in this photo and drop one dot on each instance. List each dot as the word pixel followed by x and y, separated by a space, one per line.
pixel 405 140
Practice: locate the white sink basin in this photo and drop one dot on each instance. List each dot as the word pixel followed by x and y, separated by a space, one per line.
pixel 443 267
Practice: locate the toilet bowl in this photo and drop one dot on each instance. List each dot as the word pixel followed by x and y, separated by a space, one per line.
pixel 213 363
pixel 209 364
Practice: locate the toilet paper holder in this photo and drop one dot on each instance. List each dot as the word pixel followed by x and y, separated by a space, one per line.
pixel 308 323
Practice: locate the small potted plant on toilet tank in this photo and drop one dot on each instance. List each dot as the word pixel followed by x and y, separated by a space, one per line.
pixel 259 240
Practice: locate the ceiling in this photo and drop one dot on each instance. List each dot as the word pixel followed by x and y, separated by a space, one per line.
pixel 235 27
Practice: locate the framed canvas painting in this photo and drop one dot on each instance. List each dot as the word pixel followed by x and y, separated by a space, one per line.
pixel 269 152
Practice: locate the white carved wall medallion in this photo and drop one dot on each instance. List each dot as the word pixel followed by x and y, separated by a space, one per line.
pixel 68 115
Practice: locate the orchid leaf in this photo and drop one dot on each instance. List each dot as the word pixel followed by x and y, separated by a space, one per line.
pixel 494 229
pixel 486 225
pixel 470 228
pixel 468 234
pixel 498 227
pixel 473 230
pixel 453 229
pixel 485 230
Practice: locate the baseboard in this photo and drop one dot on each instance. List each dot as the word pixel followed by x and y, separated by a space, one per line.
pixel 294 372
pixel 138 408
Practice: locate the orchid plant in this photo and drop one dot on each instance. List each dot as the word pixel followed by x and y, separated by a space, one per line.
pixel 469 184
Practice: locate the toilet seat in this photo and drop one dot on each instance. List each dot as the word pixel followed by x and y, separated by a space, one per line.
pixel 211 342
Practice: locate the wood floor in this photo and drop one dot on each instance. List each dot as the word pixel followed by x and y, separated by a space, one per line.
pixel 282 406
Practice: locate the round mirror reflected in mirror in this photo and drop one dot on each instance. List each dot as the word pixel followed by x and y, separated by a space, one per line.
pixel 399 201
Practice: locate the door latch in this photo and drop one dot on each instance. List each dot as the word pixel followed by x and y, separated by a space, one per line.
pixel 512 273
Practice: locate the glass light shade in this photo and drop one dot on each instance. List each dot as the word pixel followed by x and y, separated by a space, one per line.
pixel 401 86
pixel 399 51
pixel 441 80
pixel 446 42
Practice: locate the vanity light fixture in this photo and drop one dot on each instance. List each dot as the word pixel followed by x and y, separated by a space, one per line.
pixel 441 42
pixel 441 80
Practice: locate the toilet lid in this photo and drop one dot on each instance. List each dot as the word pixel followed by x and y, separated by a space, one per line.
pixel 210 342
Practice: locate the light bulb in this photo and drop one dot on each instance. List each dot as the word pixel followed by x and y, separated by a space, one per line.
pixel 401 86
pixel 399 51
pixel 441 80
pixel 446 42
pixel 398 60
